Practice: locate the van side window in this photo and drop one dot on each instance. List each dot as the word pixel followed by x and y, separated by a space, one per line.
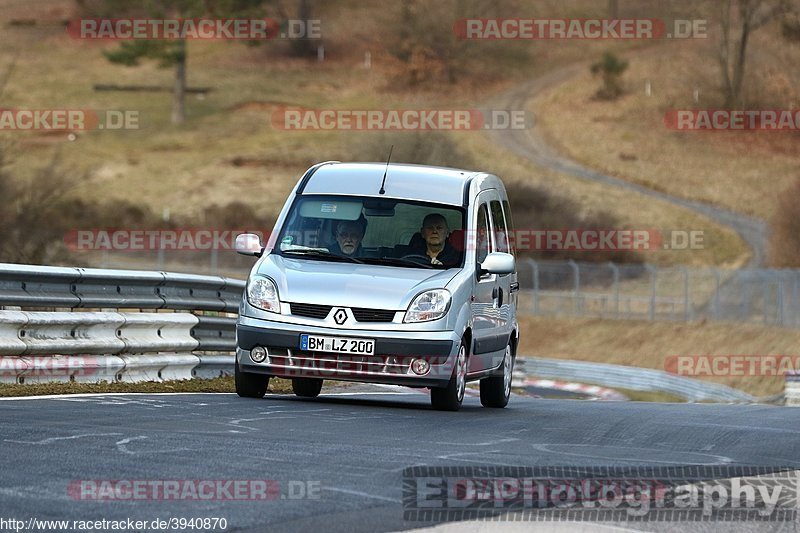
pixel 482 240
pixel 509 227
pixel 499 225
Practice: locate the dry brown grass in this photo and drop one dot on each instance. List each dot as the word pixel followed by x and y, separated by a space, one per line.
pixel 784 249
pixel 632 211
pixel 648 344
pixel 743 171
pixel 229 151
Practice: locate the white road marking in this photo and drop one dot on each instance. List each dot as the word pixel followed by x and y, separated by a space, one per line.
pixel 487 443
pixel 482 453
pixel 100 394
pixel 53 439
pixel 545 448
pixel 370 394
pixel 121 445
pixel 362 494
pixel 757 428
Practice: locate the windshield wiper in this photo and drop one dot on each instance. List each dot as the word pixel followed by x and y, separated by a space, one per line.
pixel 322 254
pixel 395 261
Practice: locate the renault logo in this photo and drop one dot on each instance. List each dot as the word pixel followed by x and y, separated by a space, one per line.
pixel 340 316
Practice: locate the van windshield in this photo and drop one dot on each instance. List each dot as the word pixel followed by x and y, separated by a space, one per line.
pixel 369 230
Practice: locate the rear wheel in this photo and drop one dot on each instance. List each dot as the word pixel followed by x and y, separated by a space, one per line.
pixel 449 398
pixel 307 387
pixel 496 390
pixel 250 385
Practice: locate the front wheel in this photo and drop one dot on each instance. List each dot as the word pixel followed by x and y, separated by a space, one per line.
pixel 449 398
pixel 307 387
pixel 496 391
pixel 250 385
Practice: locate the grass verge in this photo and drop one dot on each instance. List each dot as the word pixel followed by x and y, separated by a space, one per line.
pixel 221 384
pixel 648 344
pixel 743 171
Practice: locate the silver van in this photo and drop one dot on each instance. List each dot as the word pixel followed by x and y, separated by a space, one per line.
pixel 384 273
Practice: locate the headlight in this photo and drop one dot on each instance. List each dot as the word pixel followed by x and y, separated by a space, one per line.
pixel 430 305
pixel 262 293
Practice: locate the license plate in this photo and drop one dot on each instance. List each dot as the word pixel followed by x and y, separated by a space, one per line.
pixel 321 343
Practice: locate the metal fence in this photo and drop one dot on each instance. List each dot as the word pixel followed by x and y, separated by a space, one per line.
pixel 647 292
pixel 581 289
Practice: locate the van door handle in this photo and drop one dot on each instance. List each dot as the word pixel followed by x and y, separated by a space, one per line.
pixel 514 287
pixel 494 293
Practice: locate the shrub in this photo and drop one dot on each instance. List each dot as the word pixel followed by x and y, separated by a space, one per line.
pixel 784 243
pixel 611 69
pixel 536 209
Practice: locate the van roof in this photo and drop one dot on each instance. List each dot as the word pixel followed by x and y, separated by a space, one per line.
pixel 411 182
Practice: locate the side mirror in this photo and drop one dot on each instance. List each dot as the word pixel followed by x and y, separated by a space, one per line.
pixel 498 263
pixel 248 244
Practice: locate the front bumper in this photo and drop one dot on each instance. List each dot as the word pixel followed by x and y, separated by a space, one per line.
pixel 391 363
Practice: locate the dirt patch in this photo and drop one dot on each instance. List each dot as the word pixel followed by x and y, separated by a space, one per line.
pixel 257 105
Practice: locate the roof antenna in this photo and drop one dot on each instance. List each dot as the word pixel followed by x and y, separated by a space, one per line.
pixel 383 191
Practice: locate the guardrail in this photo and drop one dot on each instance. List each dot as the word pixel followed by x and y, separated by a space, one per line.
pixel 48 333
pixel 793 389
pixel 648 292
pixel 119 345
pixel 35 287
pixel 102 333
pixel 628 377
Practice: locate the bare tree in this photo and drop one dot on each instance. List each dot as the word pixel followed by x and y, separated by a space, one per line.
pixel 36 210
pixel 738 20
pixel 304 47
pixel 613 9
pixel 168 53
pixel 425 42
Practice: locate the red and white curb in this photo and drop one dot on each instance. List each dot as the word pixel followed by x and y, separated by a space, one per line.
pixel 596 392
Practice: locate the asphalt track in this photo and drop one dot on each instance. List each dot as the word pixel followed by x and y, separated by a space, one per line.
pixel 352 447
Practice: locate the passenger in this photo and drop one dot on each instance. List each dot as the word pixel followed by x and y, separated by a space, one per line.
pixel 348 235
pixel 435 232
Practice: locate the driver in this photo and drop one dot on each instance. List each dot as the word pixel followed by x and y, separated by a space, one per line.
pixel 434 232
pixel 348 235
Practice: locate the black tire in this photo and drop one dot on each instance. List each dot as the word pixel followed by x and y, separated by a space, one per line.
pixel 250 385
pixel 307 387
pixel 496 390
pixel 449 398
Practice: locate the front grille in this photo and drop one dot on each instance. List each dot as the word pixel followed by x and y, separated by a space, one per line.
pixel 310 310
pixel 373 315
pixel 361 314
